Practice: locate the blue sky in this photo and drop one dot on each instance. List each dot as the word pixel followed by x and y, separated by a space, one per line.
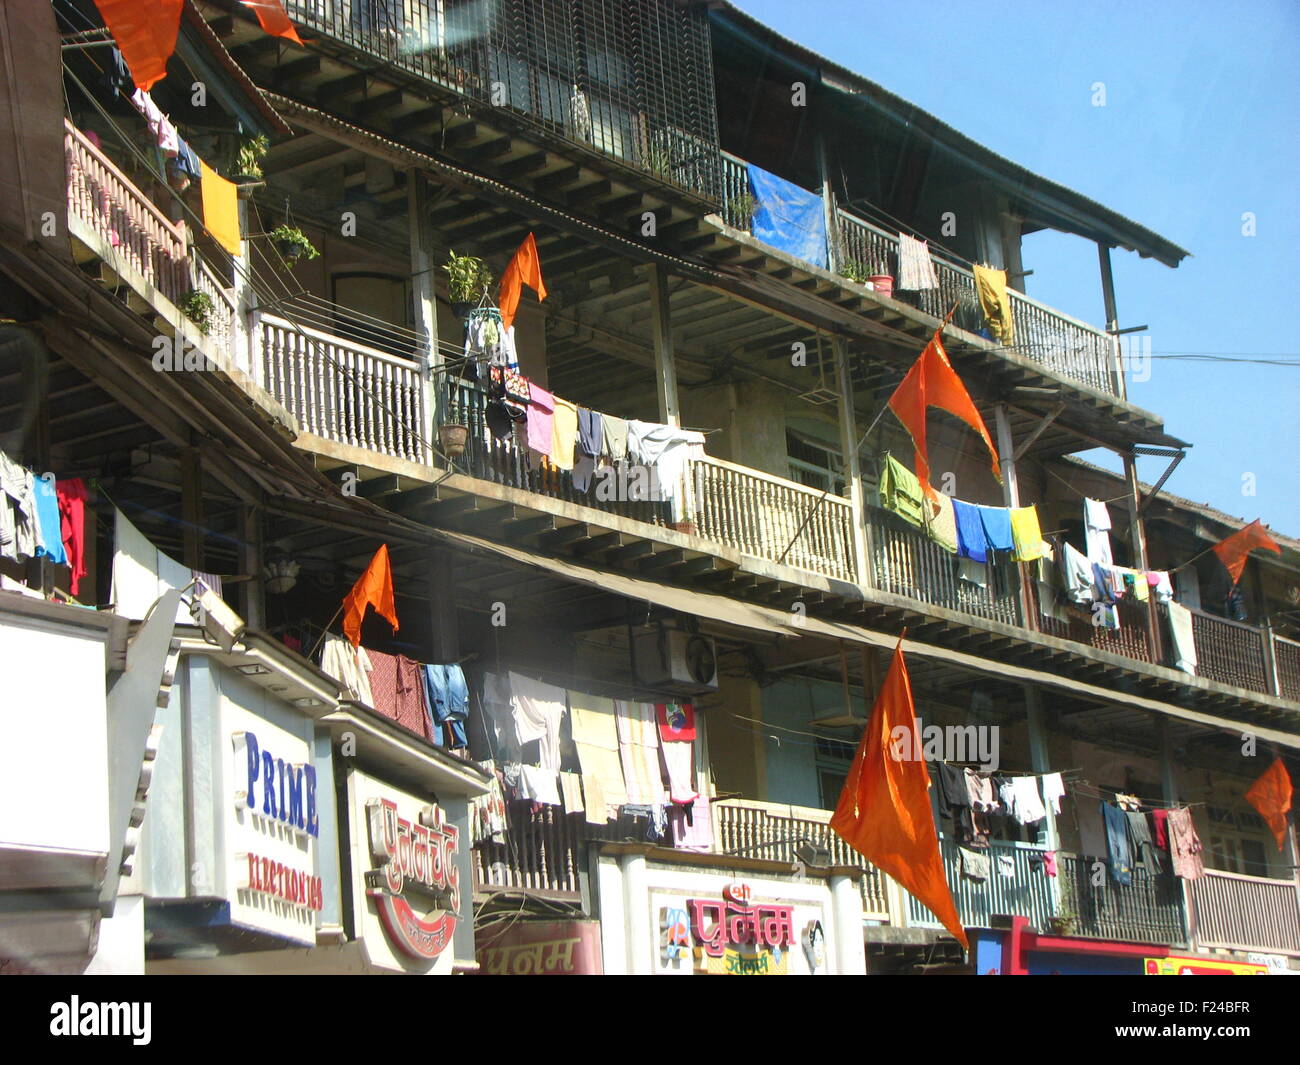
pixel 1199 127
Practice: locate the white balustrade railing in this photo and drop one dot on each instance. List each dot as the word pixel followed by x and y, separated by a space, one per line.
pixel 772 518
pixel 344 391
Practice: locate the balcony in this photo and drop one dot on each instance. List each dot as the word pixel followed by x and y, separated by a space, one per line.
pixel 375 405
pixel 1149 910
pixel 1062 345
pixel 1235 912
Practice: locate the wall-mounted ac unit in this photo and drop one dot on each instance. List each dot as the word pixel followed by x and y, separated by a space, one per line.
pixel 678 661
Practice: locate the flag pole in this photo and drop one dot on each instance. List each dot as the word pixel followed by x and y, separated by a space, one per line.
pixel 326 631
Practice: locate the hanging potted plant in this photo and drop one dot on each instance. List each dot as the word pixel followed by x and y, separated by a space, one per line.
pixel 197 307
pixel 248 160
pixel 452 438
pixel 468 281
pixel 292 244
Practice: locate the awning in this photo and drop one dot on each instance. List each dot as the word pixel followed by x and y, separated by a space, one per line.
pixel 784 623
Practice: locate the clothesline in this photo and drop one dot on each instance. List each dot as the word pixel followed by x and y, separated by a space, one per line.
pixel 1098 792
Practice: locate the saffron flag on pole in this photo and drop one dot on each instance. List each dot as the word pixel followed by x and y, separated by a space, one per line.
pixel 272 18
pixel 524 269
pixel 1271 796
pixel 884 811
pixel 145 32
pixel 374 588
pixel 932 382
pixel 1232 552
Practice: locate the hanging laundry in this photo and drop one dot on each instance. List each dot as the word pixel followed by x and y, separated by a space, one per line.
pixel 676 723
pixel 941 523
pixel 596 810
pixel 996 303
pixel 1185 845
pixel 1160 824
pixel 1118 856
pixel 71 495
pixel 571 792
pixel 189 162
pixel 164 133
pixel 955 801
pixel 1049 862
pixel 541 420
pixel 1006 866
pixel 350 666
pixel 524 268
pixel 539 709
pixel 488 817
pixel 666 449
pixel 49 526
pixel 997 528
pixel 691 826
pixel 900 491
pixel 564 433
pixel 974 866
pixel 595 734
pixel 1096 532
pixel 1161 585
pixel 613 438
pixel 1076 571
pixel 538 785
pixel 970 531
pixel 1182 636
pixel 915 267
pixel 1144 845
pixel 591 439
pixel 638 745
pixel 972 572
pixel 1026 533
pixel 1053 791
pixel 220 209
pixel 399 692
pixel 18 522
pixel 447 697
pixel 499 709
pixel 1028 805
pixel 979 787
pixel 487 339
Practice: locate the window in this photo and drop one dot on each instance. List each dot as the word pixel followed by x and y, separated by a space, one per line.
pixel 814 463
pixel 373 309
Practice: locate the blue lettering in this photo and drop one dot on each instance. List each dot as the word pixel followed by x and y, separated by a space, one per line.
pixel 250 742
pixel 295 796
pixel 268 785
pixel 313 824
pixel 284 807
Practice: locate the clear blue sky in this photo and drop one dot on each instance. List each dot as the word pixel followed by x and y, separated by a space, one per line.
pixel 1199 127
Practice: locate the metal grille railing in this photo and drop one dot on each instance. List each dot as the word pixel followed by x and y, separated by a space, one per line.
pixel 630 78
pixel 1027 892
pixel 1149 910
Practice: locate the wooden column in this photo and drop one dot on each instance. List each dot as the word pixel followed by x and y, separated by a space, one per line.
pixel 1168 779
pixel 1112 319
pixel 445 630
pixel 665 361
pixel 1011 497
pixel 852 465
pixel 192 507
pixel 423 296
pixel 252 598
pixel 1040 762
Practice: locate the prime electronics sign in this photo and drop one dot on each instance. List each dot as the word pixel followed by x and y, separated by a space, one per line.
pixel 273 833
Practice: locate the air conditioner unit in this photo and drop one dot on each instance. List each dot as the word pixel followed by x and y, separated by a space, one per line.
pixel 679 661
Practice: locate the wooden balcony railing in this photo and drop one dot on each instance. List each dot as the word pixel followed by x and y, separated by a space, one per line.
pixel 344 391
pixel 907 562
pixel 775 831
pixel 135 235
pixel 1131 639
pixel 1149 910
pixel 1237 912
pixel 1230 652
pixel 772 518
pixel 1286 657
pixel 1064 345
pixel 1026 893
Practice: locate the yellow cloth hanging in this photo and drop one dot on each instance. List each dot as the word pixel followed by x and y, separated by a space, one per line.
pixel 992 288
pixel 1026 534
pixel 220 208
pixel 564 433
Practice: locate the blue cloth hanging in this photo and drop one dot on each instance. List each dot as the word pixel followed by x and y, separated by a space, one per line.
pixel 788 218
pixel 447 697
pixel 997 528
pixel 971 541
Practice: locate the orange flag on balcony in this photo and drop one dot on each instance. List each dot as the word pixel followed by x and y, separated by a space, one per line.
pixel 1232 552
pixel 1271 796
pixel 375 588
pixel 220 208
pixel 272 18
pixel 524 269
pixel 932 382
pixel 884 810
pixel 145 32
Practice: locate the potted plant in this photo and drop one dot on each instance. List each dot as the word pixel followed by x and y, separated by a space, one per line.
pixel 468 281
pixel 248 160
pixel 292 244
pixel 881 279
pixel 740 211
pixel 197 307
pixel 855 271
pixel 452 438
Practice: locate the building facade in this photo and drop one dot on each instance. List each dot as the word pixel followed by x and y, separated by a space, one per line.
pixel 742 244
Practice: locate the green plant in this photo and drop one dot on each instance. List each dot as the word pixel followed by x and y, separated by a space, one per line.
pixel 197 307
pixel 855 271
pixel 292 244
pixel 468 278
pixel 741 209
pixel 248 160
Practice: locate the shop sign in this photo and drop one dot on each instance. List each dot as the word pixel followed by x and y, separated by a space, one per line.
pixel 553 948
pixel 287 791
pixel 737 937
pixel 416 887
pixel 1176 966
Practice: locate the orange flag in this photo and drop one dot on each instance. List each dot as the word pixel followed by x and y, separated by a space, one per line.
pixel 1271 796
pixel 932 382
pixel 272 18
pixel 1232 552
pixel 145 32
pixel 884 811
pixel 375 588
pixel 524 269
